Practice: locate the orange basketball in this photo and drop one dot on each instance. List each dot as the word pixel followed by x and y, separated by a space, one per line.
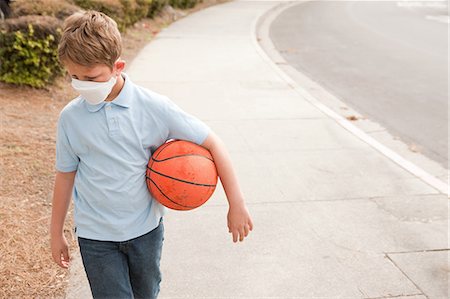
pixel 181 175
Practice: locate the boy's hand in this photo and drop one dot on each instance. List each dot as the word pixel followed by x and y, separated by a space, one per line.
pixel 60 251
pixel 239 222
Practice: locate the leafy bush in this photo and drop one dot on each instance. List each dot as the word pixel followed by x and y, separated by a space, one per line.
pixel 112 8
pixel 55 8
pixel 30 45
pixel 124 12
pixel 183 4
pixel 135 10
pixel 156 6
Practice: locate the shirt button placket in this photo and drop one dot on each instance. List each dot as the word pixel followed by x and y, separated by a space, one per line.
pixel 111 118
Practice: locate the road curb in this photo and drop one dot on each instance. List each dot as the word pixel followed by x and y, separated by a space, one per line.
pixel 320 95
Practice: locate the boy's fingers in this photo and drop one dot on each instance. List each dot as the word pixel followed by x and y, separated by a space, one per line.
pixel 65 254
pixel 60 261
pixel 241 234
pixel 66 257
pixel 246 230
pixel 62 257
pixel 64 264
pixel 235 236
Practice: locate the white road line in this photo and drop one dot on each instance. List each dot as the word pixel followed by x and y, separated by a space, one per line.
pixel 270 15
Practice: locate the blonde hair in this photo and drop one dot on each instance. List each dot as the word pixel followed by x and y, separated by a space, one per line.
pixel 90 38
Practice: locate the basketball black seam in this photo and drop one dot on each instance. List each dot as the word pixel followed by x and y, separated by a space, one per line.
pixel 165 146
pixel 179 156
pixel 184 206
pixel 180 180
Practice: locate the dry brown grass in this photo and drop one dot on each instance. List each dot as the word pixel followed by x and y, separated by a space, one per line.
pixel 27 138
pixel 27 154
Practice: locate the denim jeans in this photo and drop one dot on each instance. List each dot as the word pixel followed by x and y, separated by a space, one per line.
pixel 127 269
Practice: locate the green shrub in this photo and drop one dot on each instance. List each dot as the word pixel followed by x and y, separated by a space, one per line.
pixel 183 4
pixel 156 6
pixel 112 8
pixel 55 8
pixel 124 12
pixel 135 10
pixel 28 47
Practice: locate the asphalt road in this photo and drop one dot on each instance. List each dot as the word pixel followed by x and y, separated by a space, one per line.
pixel 386 59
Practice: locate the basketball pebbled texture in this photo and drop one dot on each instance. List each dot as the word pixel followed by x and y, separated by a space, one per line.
pixel 181 175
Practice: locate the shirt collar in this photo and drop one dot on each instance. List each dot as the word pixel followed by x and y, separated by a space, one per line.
pixel 123 99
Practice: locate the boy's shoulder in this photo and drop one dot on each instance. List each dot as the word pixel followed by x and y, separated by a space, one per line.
pixel 149 96
pixel 73 106
pixel 149 99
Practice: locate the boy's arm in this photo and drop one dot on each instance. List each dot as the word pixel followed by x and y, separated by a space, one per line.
pixel 239 220
pixel 61 199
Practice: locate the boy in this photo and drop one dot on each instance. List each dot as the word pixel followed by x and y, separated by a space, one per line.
pixel 105 138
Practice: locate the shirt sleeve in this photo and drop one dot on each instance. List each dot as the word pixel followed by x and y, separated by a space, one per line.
pixel 66 159
pixel 184 126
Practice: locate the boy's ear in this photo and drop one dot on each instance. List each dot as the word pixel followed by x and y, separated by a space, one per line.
pixel 120 66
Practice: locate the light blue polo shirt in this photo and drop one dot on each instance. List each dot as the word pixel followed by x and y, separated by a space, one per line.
pixel 109 146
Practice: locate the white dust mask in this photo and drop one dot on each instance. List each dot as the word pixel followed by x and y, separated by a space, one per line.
pixel 94 92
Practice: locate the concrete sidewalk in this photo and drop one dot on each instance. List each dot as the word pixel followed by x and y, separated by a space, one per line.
pixel 333 216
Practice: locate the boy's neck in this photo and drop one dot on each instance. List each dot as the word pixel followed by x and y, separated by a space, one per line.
pixel 116 89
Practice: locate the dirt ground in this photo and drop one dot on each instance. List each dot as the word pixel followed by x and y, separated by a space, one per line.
pixel 27 155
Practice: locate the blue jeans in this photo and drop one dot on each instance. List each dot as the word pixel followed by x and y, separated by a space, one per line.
pixel 128 269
